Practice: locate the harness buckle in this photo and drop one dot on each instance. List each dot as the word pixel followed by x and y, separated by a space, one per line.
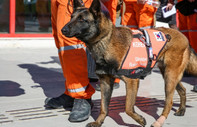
pixel 142 39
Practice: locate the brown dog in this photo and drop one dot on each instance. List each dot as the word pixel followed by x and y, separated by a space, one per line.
pixel 109 44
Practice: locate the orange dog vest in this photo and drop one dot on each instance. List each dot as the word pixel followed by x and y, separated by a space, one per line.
pixel 142 54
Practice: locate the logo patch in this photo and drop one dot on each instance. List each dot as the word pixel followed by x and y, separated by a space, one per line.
pixel 159 36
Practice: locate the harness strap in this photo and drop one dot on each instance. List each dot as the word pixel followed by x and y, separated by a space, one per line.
pixel 146 40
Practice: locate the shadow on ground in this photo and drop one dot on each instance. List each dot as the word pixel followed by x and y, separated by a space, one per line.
pixel 10 88
pixel 52 83
pixel 117 105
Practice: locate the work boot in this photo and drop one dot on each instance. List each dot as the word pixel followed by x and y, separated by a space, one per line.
pixel 195 88
pixel 115 86
pixel 81 110
pixel 64 101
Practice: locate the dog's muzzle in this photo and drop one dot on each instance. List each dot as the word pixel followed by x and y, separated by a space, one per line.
pixel 65 31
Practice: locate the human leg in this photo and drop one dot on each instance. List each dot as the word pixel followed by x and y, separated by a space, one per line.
pixel 73 60
pixel 144 15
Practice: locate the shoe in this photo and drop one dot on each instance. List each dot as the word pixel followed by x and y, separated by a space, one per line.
pixel 195 88
pixel 81 110
pixel 185 74
pixel 98 88
pixel 64 101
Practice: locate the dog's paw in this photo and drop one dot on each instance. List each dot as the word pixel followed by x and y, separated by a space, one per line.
pixel 180 112
pixel 93 124
pixel 142 121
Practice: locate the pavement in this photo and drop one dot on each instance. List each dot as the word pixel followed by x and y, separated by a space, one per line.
pixel 30 73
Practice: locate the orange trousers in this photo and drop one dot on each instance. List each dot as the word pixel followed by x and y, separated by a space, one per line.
pixel 71 52
pixel 111 5
pixel 188 26
pixel 138 16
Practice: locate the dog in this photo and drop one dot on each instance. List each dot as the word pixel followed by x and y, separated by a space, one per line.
pixel 109 45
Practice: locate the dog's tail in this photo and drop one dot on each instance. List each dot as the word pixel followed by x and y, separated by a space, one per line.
pixel 192 65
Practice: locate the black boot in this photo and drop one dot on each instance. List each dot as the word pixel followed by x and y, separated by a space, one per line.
pixel 81 110
pixel 195 88
pixel 64 101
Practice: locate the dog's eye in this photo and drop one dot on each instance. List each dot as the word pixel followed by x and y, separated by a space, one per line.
pixel 81 19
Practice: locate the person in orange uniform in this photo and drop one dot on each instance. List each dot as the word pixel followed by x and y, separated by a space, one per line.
pixel 138 14
pixel 188 26
pixel 111 5
pixel 73 59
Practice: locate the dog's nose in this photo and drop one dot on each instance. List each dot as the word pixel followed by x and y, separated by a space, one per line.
pixel 65 30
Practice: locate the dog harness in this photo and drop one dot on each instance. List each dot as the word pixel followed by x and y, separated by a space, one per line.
pixel 142 54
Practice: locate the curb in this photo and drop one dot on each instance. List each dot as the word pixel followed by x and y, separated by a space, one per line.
pixel 27 42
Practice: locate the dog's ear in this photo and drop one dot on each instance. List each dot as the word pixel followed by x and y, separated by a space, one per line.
pixel 95 8
pixel 78 3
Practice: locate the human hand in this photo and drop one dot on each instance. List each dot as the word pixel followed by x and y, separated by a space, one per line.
pixel 169 6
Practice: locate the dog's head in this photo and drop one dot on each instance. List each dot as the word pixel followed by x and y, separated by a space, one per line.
pixel 84 23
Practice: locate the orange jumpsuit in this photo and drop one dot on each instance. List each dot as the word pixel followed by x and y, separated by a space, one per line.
pixel 71 52
pixel 188 26
pixel 111 5
pixel 138 16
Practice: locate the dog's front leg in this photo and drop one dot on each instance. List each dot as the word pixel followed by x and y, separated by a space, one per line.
pixel 106 84
pixel 132 86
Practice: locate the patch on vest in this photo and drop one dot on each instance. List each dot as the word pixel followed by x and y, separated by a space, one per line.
pixel 142 54
pixel 159 36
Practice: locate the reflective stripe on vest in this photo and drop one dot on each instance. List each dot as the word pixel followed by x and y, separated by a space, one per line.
pixel 77 90
pixel 71 47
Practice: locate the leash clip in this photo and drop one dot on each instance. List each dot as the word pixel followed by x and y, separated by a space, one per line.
pixel 142 39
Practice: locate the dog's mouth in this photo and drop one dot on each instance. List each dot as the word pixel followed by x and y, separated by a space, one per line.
pixel 69 33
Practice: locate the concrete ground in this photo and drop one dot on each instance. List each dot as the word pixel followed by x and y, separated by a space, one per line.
pixel 30 73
